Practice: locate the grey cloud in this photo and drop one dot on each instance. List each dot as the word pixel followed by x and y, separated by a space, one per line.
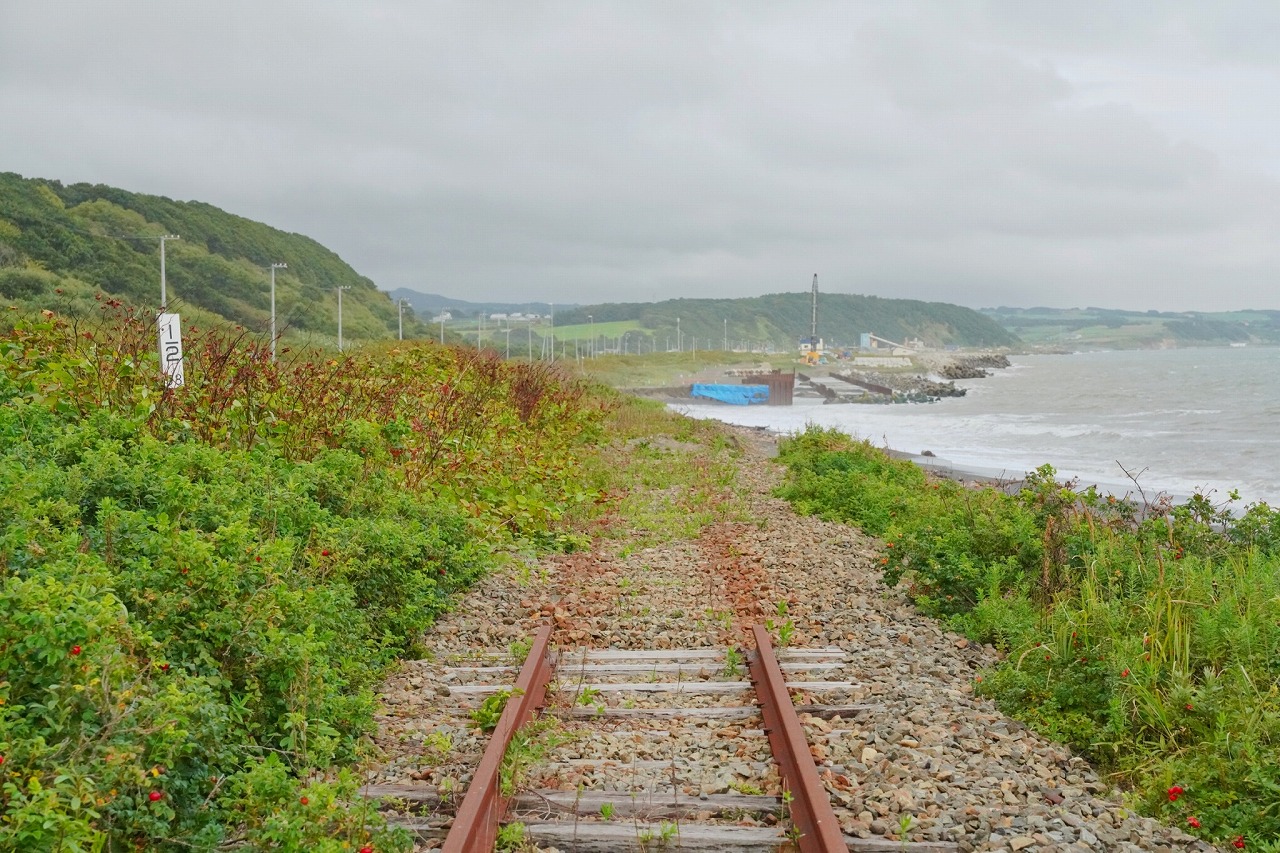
pixel 979 152
pixel 928 71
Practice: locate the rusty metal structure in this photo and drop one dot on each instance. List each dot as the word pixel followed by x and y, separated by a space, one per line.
pixel 817 829
pixel 475 828
pixel 811 810
pixel 781 386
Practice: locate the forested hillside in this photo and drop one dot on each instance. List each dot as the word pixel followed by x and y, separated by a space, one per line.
pixel 782 318
pixel 430 304
pixel 1119 329
pixel 61 244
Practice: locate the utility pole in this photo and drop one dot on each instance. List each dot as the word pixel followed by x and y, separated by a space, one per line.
pixel 164 297
pixel 726 334
pixel 275 267
pixel 340 289
pixel 400 314
pixel 679 339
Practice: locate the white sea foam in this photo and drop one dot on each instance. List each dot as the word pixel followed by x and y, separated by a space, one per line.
pixel 1188 420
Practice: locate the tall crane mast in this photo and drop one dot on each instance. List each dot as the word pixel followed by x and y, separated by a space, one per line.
pixel 813 328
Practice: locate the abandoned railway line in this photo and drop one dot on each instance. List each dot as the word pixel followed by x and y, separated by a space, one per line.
pixel 653 733
pixel 666 794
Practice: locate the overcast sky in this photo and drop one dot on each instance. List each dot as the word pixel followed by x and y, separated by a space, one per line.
pixel 1120 154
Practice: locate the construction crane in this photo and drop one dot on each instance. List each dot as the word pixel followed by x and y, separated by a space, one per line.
pixel 811 357
pixel 813 327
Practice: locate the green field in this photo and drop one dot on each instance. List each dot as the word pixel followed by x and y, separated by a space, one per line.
pixel 584 331
pixel 663 369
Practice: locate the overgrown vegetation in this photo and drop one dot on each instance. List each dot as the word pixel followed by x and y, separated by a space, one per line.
pixel 60 244
pixel 199 587
pixel 668 476
pixel 1146 637
pixel 530 745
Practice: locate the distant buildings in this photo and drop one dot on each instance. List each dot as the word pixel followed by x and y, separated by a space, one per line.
pixel 520 318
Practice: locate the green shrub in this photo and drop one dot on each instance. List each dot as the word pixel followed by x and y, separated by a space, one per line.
pixel 1148 640
pixel 203 586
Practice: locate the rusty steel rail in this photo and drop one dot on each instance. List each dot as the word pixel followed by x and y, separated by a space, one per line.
pixel 811 811
pixel 475 828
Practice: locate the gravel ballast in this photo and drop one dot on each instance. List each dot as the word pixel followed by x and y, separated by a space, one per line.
pixel 919 746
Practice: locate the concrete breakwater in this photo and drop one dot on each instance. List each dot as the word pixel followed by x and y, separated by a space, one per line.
pixel 919 378
pixel 929 377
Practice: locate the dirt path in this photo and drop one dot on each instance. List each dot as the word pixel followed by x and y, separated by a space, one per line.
pixel 925 752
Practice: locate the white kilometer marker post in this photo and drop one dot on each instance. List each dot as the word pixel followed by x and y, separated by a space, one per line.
pixel 170 326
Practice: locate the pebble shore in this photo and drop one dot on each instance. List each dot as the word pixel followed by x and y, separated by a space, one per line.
pixel 921 746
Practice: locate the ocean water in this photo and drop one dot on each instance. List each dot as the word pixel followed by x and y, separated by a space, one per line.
pixel 1181 421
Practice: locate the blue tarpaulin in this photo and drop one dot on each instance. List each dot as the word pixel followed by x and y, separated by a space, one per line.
pixel 736 395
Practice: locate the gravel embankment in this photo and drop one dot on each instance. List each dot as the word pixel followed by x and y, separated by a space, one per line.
pixel 922 746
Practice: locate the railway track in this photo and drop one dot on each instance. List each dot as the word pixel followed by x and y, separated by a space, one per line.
pixel 910 747
pixel 665 749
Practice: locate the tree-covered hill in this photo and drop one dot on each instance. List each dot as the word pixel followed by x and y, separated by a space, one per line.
pixel 60 244
pixel 781 319
pixel 430 304
pixel 1119 329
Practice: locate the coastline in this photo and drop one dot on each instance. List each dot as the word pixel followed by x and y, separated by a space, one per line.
pixel 1132 424
pixel 928 376
pixel 966 474
pixel 1178 422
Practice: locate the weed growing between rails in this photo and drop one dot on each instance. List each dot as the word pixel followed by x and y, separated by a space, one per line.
pixel 1147 640
pixel 666 476
pixel 202 585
